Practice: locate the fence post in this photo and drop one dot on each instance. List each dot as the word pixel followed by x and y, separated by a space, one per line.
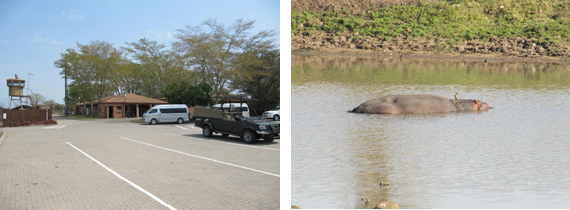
pixel 46 115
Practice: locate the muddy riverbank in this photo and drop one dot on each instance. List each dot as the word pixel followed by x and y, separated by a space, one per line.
pixel 347 27
pixel 506 50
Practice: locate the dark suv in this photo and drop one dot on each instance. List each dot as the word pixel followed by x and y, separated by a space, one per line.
pixel 231 122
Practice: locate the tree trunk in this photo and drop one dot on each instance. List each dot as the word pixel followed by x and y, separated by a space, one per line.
pixel 91 109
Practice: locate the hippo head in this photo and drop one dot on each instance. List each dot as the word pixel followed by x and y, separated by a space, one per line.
pixel 481 105
pixel 471 105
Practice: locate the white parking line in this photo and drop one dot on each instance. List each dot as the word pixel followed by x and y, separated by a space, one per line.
pixel 227 142
pixel 55 127
pixel 205 158
pixel 182 127
pixel 126 180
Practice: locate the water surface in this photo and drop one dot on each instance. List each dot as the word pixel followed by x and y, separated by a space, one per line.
pixel 516 155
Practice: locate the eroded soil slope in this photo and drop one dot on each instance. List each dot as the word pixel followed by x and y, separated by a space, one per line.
pixel 320 41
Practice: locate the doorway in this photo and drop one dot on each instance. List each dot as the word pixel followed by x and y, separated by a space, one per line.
pixel 111 112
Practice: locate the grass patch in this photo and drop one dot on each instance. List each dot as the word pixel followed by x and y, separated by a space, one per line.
pixel 456 20
pixel 137 121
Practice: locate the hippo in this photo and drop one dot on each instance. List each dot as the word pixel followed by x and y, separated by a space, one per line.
pixel 423 103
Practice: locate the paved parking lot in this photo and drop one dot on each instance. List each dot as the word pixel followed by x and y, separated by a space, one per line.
pixel 115 164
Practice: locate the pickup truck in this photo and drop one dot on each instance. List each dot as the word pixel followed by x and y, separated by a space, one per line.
pixel 233 123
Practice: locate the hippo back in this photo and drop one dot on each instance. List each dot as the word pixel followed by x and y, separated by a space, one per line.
pixel 396 104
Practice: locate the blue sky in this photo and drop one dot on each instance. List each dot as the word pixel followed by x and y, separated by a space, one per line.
pixel 33 33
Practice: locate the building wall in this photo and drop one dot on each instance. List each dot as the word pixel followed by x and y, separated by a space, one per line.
pixel 111 111
pixel 79 110
pixel 102 110
pixel 13 117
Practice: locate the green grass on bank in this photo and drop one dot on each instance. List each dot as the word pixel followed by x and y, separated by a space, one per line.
pixel 453 20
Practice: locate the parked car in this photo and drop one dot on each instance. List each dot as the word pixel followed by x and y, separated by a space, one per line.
pixel 166 113
pixel 232 122
pixel 273 114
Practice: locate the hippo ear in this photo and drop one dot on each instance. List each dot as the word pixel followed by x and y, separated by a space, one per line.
pixel 477 101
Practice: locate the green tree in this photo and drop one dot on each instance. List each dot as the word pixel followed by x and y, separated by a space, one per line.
pixel 75 67
pixel 37 100
pixel 214 54
pixel 54 106
pixel 129 78
pixel 154 67
pixel 258 76
pixel 92 69
pixel 76 96
pixel 183 92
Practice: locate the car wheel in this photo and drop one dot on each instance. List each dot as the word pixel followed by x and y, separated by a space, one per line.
pixel 153 122
pixel 248 136
pixel 180 121
pixel 207 131
pixel 276 117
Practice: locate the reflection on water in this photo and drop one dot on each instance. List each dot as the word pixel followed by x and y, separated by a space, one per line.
pixel 516 155
pixel 426 72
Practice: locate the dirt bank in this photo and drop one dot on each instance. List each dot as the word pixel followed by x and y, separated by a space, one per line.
pixel 349 43
pixel 511 49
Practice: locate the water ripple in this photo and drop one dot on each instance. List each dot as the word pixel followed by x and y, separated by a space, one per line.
pixel 513 156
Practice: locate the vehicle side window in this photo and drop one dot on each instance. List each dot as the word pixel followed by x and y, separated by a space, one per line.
pixel 241 109
pixel 152 111
pixel 173 110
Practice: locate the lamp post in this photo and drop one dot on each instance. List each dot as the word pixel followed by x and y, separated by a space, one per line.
pixel 65 70
pixel 29 82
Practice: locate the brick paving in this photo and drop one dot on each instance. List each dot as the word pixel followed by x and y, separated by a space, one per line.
pixel 39 170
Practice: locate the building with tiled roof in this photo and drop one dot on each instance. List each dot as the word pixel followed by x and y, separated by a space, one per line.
pixel 119 106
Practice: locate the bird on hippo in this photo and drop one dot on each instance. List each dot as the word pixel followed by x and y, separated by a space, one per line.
pixel 423 103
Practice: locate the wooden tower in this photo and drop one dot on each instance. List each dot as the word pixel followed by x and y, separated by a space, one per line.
pixel 16 90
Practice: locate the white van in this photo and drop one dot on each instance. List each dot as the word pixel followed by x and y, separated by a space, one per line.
pixel 166 113
pixel 235 106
